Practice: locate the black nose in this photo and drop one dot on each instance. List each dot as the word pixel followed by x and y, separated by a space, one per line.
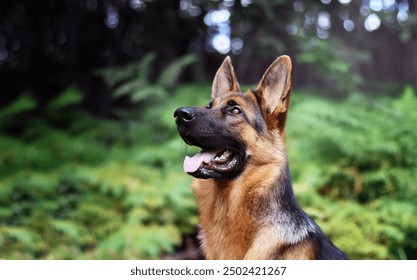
pixel 184 114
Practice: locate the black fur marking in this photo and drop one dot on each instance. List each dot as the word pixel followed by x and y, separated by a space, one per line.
pixel 291 218
pixel 326 249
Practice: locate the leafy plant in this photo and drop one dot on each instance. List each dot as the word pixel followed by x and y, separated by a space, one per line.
pixel 133 79
pixel 80 188
pixel 334 62
pixel 69 97
pixel 22 104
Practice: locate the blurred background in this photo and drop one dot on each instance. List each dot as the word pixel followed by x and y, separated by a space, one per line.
pixel 90 160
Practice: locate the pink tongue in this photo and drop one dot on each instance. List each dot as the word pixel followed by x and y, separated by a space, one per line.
pixel 191 164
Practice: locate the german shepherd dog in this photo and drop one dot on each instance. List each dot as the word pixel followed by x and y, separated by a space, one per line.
pixel 247 208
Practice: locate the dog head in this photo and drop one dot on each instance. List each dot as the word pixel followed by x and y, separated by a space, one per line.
pixel 233 126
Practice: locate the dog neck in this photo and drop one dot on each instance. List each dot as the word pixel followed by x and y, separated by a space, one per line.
pixel 234 214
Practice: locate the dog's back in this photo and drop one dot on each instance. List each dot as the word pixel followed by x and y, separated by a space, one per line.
pixel 247 207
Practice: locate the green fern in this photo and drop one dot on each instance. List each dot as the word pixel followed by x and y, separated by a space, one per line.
pixel 24 103
pixel 68 97
pixel 136 70
pixel 171 73
pixel 133 79
pixel 333 61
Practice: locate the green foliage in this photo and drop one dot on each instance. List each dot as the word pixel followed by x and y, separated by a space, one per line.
pixel 76 187
pixel 24 103
pixel 69 97
pixel 133 79
pixel 334 62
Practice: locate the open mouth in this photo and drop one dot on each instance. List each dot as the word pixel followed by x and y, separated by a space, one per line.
pixel 222 156
pixel 209 160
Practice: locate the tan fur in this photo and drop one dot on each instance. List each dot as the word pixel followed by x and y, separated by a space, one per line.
pixel 304 250
pixel 263 246
pixel 228 210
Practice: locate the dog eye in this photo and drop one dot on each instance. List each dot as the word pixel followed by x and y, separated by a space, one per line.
pixel 208 106
pixel 235 111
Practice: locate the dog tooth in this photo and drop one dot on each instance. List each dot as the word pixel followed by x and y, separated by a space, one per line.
pixel 226 153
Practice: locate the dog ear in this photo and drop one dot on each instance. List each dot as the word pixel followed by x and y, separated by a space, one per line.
pixel 275 86
pixel 225 79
